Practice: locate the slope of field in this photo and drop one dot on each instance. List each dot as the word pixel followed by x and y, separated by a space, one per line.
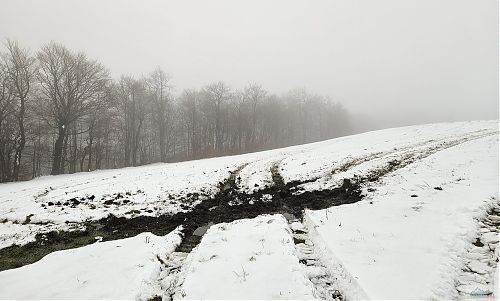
pixel 416 207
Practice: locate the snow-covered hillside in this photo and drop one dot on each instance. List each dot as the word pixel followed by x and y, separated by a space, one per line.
pixel 426 223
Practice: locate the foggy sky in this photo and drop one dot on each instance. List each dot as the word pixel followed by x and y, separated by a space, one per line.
pixel 394 61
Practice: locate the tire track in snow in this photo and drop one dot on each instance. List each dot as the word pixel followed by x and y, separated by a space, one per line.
pixel 273 172
pixel 471 284
pixel 320 276
pixel 477 277
pixel 349 163
pixel 412 157
pixel 387 162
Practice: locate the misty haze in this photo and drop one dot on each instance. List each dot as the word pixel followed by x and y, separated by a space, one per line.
pixel 231 149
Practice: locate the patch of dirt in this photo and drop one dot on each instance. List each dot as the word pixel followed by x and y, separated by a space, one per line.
pixel 226 206
pixel 278 180
pixel 16 256
pixel 230 205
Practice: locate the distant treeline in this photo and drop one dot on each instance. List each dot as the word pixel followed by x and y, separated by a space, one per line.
pixel 61 112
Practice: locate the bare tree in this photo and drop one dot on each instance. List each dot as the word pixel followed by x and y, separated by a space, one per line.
pixel 189 102
pixel 20 74
pixel 160 90
pixel 6 110
pixel 240 117
pixel 70 84
pixel 217 94
pixel 254 94
pixel 60 109
pixel 133 102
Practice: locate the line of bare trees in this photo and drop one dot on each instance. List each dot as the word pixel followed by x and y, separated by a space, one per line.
pixel 61 112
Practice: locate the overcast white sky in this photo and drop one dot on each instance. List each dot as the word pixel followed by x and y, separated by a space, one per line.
pixel 400 61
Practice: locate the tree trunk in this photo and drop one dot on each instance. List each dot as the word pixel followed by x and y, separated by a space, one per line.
pixel 82 160
pixel 74 155
pixel 90 145
pixel 163 152
pixel 58 150
pixel 136 143
pixel 64 153
pixel 22 142
pixel 33 161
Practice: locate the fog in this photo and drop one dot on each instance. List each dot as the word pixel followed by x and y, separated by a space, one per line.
pixel 390 62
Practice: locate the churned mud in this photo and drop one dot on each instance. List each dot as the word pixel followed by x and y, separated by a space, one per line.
pixel 227 205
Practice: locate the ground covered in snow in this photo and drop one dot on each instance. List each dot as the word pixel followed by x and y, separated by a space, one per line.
pixel 246 255
pixel 414 229
pixel 120 269
pixel 427 222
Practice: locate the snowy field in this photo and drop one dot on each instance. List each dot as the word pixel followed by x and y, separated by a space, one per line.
pixel 413 231
pixel 426 226
pixel 119 269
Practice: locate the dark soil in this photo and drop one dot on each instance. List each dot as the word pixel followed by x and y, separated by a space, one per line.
pixel 228 205
pixel 223 209
pixel 45 243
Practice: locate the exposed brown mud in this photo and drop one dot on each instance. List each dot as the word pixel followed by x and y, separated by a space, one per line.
pixel 45 243
pixel 233 205
pixel 226 206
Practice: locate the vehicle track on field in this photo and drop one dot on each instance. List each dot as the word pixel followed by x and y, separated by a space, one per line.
pixel 350 163
pixel 323 280
pixel 395 159
pixel 410 157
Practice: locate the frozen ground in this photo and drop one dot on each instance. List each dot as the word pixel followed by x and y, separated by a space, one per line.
pixel 427 223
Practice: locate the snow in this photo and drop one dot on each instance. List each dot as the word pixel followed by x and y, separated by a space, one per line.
pixel 411 236
pixel 20 234
pixel 147 190
pixel 317 160
pixel 414 243
pixel 164 188
pixel 121 269
pixel 245 259
pixel 256 175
